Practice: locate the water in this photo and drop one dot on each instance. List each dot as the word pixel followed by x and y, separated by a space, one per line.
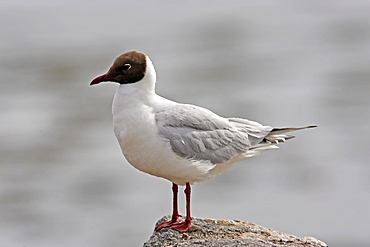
pixel 63 180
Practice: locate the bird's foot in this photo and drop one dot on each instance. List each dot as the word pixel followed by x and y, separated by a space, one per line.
pixel 175 224
pixel 182 227
pixel 174 220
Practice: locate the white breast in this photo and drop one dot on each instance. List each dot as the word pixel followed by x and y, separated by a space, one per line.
pixel 137 133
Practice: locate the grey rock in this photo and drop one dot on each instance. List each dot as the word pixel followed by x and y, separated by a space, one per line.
pixel 217 233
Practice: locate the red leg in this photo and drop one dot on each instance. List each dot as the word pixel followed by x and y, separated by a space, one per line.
pixel 174 222
pixel 184 226
pixel 175 212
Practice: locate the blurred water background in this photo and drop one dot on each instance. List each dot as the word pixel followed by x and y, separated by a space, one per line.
pixel 63 179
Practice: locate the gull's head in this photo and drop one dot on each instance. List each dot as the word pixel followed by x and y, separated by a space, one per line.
pixel 129 68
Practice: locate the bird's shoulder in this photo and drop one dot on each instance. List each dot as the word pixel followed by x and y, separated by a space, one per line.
pixel 186 115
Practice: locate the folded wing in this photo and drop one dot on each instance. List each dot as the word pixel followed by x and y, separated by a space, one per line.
pixel 199 134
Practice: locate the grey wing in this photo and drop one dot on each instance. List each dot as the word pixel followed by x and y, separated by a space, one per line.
pixel 199 134
pixel 256 131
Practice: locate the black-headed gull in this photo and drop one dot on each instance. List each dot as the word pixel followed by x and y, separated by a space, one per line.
pixel 179 142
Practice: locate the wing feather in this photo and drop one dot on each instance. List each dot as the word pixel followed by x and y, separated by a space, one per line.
pixel 199 134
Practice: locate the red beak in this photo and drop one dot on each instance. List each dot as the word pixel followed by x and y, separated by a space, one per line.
pixel 101 78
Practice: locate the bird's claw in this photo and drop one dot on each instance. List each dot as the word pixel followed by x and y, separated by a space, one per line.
pixel 174 224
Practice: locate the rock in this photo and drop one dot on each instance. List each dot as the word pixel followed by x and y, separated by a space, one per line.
pixel 232 233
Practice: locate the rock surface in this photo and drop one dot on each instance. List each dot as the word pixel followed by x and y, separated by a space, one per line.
pixel 232 233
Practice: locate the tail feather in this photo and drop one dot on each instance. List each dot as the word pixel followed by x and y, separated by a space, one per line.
pixel 277 131
pixel 271 140
pixel 276 136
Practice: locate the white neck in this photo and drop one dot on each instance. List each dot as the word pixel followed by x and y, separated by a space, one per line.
pixel 146 86
pixel 142 92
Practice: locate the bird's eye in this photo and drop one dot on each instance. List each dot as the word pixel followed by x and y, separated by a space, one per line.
pixel 127 66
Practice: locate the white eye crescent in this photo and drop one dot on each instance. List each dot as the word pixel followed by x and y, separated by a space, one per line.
pixel 127 66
